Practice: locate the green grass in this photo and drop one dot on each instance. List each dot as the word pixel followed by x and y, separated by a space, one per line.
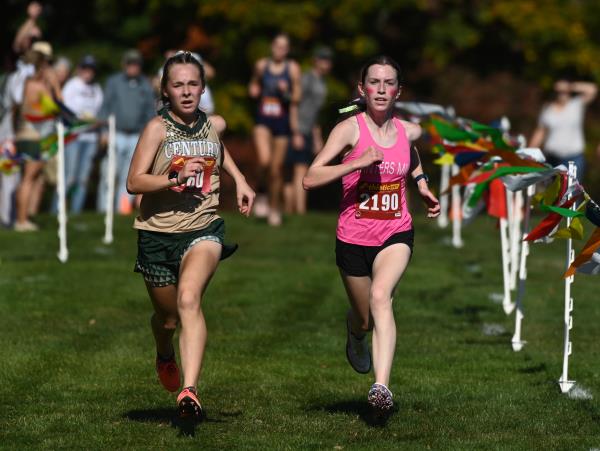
pixel 77 354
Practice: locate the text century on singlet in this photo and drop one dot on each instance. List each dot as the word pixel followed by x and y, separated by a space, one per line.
pixel 200 148
pixel 386 168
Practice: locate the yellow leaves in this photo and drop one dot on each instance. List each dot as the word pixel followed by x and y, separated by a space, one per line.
pixel 574 231
pixel 360 46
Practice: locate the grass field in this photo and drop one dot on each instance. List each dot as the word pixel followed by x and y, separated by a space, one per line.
pixel 77 355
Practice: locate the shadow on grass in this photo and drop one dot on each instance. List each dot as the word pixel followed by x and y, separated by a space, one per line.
pixel 541 368
pixel 186 427
pixel 353 407
pixel 502 340
pixel 471 313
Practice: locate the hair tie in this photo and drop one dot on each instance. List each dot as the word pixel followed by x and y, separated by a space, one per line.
pixel 348 109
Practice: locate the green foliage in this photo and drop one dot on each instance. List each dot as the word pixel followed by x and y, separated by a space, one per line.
pixel 534 41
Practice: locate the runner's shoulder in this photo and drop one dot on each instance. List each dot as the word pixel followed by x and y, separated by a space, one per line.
pixel 261 64
pixel 156 127
pixel 348 128
pixel 413 131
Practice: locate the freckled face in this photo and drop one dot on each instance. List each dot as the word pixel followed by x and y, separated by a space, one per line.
pixel 380 88
pixel 184 88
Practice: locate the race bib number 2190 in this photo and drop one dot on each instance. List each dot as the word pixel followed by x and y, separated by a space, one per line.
pixel 379 200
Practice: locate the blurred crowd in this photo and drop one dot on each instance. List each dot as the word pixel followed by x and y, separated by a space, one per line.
pixel 38 75
pixel 286 135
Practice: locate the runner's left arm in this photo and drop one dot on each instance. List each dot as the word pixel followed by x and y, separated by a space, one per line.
pixel 245 195
pixel 413 132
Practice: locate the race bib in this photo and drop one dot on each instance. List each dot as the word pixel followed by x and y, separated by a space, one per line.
pixel 271 107
pixel 199 183
pixel 378 200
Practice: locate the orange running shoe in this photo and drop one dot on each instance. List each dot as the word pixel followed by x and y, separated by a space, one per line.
pixel 188 404
pixel 168 373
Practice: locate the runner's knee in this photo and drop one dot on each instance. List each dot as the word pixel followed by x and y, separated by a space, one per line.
pixel 380 299
pixel 165 321
pixel 188 300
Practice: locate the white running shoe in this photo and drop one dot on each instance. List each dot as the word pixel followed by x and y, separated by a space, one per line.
pixel 357 350
pixel 261 206
pixel 274 218
pixel 381 398
pixel 26 226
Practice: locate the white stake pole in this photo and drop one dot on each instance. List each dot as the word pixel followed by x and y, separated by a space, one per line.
pixel 564 382
pixel 457 241
pixel 444 182
pixel 63 252
pixel 110 182
pixel 507 304
pixel 510 217
pixel 517 341
pixel 515 237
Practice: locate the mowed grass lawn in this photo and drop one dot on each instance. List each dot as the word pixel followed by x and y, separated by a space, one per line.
pixel 77 367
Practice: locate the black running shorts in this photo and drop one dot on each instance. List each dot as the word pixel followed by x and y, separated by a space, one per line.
pixel 356 260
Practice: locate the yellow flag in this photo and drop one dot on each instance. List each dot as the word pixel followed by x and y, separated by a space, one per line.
pixel 445 159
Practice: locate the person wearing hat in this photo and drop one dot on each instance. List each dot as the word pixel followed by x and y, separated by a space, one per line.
pixel 308 139
pixel 82 95
pixel 29 132
pixel 129 96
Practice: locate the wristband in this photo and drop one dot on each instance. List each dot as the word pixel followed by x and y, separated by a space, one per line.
pixel 422 176
pixel 174 177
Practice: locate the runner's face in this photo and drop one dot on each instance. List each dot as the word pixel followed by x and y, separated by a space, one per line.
pixel 381 88
pixel 280 48
pixel 323 66
pixel 184 88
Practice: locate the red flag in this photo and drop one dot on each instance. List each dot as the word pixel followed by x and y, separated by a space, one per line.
pixel 548 223
pixel 495 199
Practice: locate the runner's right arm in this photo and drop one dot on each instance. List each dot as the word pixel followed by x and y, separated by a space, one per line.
pixel 344 135
pixel 254 86
pixel 139 180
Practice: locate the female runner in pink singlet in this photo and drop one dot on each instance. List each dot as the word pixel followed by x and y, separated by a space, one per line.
pixel 374 233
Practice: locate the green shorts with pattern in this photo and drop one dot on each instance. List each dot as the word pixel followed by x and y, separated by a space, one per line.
pixel 32 149
pixel 160 254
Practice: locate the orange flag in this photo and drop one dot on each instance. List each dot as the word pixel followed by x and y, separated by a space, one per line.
pixel 588 250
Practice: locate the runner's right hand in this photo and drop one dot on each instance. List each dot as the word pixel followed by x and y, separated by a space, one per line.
pixel 191 167
pixel 369 156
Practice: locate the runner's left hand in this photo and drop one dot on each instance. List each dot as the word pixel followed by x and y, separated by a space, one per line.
pixel 433 204
pixel 245 198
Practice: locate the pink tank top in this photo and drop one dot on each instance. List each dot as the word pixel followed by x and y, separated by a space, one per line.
pixel 373 206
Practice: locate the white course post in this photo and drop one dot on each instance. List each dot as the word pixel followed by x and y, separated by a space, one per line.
pixel 444 182
pixel 507 304
pixel 517 341
pixel 63 251
pixel 564 382
pixel 457 241
pixel 515 237
pixel 110 182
